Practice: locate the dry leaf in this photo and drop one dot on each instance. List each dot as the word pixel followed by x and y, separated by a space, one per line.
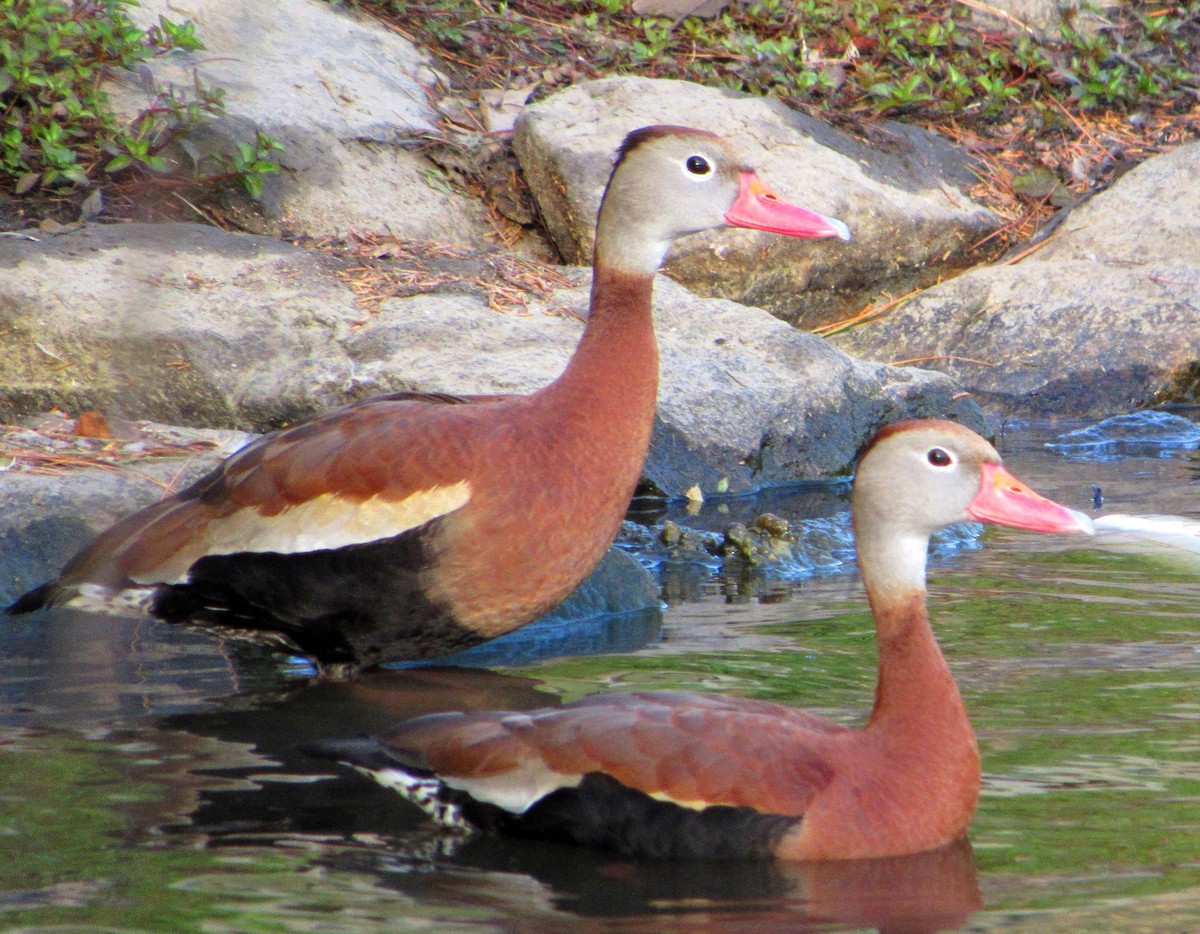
pixel 92 425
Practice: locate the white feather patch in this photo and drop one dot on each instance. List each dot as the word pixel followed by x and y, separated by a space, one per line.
pixel 324 522
pixel 515 792
pixel 95 598
pixel 690 805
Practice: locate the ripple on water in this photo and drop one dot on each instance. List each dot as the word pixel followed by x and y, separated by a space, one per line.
pixel 1137 434
pixel 1092 773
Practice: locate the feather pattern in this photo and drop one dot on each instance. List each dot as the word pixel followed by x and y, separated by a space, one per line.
pixel 677 773
pixel 694 750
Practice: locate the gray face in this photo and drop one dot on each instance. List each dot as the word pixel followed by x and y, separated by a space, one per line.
pixel 921 479
pixel 666 185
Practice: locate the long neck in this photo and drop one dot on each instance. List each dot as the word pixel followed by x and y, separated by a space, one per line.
pixel 916 692
pixel 920 750
pixel 614 369
pixel 599 414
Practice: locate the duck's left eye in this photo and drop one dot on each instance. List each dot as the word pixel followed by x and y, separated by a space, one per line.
pixel 698 165
pixel 939 458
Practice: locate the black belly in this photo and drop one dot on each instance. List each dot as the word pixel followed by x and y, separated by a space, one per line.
pixel 357 606
pixel 603 812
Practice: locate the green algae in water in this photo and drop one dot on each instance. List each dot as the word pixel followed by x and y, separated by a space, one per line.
pixel 66 809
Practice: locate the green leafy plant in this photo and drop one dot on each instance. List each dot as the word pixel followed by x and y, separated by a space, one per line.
pixel 1079 102
pixel 251 162
pixel 55 126
pixel 857 58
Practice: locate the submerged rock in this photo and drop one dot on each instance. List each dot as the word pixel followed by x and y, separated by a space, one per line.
pixel 1134 434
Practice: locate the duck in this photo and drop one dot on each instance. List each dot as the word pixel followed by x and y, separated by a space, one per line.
pixel 677 774
pixel 413 525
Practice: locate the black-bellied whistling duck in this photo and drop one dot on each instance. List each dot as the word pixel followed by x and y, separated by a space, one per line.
pixel 695 775
pixel 413 525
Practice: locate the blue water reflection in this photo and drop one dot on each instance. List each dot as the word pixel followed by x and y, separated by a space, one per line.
pixel 1138 434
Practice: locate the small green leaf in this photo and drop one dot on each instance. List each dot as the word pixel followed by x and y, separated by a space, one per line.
pixel 253 185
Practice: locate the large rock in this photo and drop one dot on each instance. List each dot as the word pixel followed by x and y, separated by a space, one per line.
pixel 191 325
pixel 178 323
pixel 904 195
pixel 1102 319
pixel 745 400
pixel 345 96
pixel 1044 17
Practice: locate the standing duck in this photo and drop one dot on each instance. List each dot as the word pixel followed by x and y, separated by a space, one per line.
pixel 676 774
pixel 413 525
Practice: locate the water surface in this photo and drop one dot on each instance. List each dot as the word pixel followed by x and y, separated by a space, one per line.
pixel 149 779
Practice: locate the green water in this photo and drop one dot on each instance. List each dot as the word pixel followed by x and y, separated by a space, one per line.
pixel 148 780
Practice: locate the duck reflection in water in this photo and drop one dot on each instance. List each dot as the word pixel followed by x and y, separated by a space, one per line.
pixel 921 893
pixel 394 844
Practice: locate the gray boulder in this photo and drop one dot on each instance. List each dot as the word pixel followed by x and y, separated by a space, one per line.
pixel 1043 17
pixel 745 400
pixel 179 323
pixel 1103 319
pixel 346 97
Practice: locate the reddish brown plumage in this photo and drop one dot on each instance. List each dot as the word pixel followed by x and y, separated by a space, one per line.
pixel 413 525
pixel 907 782
pixel 685 747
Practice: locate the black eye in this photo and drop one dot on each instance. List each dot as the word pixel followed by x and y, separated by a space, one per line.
pixel 698 165
pixel 938 458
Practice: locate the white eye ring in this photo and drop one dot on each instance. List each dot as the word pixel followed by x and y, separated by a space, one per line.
pixel 939 457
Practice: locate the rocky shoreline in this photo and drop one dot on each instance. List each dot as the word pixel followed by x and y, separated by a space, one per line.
pixel 368 273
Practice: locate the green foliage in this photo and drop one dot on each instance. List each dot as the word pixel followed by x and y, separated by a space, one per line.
pixel 252 161
pixel 167 118
pixel 861 57
pixel 55 127
pixel 901 56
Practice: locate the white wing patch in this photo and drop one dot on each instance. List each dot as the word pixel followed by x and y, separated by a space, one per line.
pixel 95 598
pixel 690 805
pixel 324 522
pixel 515 792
